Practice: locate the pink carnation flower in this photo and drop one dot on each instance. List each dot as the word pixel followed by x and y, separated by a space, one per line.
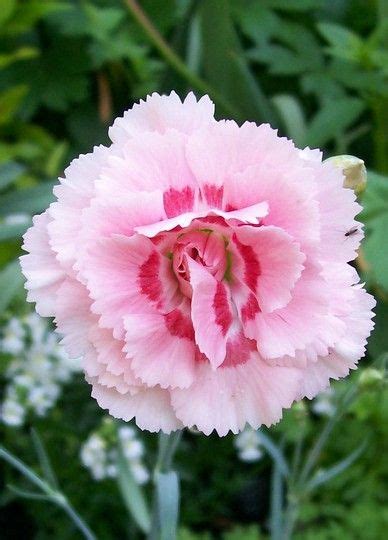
pixel 200 269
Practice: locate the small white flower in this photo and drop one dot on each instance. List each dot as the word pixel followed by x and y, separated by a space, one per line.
pixel 132 449
pixel 13 337
pixel 126 433
pixel 12 413
pixel 139 472
pixel 17 219
pixel 248 445
pixel 111 470
pixel 323 404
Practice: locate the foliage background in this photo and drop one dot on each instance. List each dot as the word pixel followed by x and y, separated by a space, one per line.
pixel 315 69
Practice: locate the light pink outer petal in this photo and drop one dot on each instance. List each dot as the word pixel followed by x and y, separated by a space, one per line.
pixel 306 318
pixel 150 162
pixel 223 149
pixel 157 356
pixel 74 194
pixel 159 113
pixel 151 407
pixel 290 195
pixel 338 208
pixel 228 398
pixel 345 354
pixel 73 317
pixel 41 269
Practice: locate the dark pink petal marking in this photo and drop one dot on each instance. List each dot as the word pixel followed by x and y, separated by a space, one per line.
pixel 179 325
pixel 213 195
pixel 238 350
pixel 249 310
pixel 252 265
pixel 221 307
pixel 149 281
pixel 178 202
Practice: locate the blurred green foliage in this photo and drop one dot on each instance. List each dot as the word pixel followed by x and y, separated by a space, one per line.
pixel 315 69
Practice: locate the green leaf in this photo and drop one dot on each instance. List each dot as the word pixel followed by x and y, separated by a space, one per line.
pixel 7 8
pixel 294 5
pixel 344 43
pixel 44 460
pixel 29 201
pixel 292 115
pixel 10 101
pixel 375 217
pixel 9 173
pixel 11 281
pixel 27 14
pixel 23 53
pixel 167 495
pixel 324 476
pixel 332 119
pixel 132 494
pixel 225 67
pixel 10 231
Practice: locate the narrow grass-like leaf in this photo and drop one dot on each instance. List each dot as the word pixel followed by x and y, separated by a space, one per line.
pixel 30 201
pixel 44 459
pixel 11 280
pixel 321 477
pixel 132 494
pixel 9 172
pixel 275 452
pixel 292 116
pixel 167 492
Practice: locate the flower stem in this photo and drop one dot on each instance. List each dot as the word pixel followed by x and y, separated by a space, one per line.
pixel 174 60
pixel 166 490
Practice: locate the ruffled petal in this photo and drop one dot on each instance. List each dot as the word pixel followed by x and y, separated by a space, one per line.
pixel 228 398
pixel 160 113
pixel 42 271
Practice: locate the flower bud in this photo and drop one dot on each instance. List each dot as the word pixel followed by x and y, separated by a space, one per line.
pixel 370 377
pixel 354 171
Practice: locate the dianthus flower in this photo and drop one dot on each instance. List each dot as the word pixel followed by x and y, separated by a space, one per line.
pixel 201 269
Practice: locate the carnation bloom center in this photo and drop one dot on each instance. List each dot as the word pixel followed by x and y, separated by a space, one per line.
pixel 204 246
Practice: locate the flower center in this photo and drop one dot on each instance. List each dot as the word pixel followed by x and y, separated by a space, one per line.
pixel 205 247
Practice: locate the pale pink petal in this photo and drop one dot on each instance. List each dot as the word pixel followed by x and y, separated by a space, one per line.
pixel 341 234
pixel 211 312
pixel 159 113
pixel 228 398
pixel 150 162
pixel 221 150
pixel 162 348
pixel 252 214
pixel 42 271
pixel 127 276
pixel 73 317
pixel 110 354
pixel 290 194
pixel 271 264
pixel 74 194
pixel 150 407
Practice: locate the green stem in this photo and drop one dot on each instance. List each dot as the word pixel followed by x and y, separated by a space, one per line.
pixel 166 490
pixel 174 60
pixel 76 519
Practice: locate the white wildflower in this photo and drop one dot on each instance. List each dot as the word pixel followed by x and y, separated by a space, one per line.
pixel 248 445
pixel 12 413
pixel 323 404
pixel 12 341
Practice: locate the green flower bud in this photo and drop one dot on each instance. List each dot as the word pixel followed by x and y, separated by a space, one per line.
pixel 370 377
pixel 354 171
